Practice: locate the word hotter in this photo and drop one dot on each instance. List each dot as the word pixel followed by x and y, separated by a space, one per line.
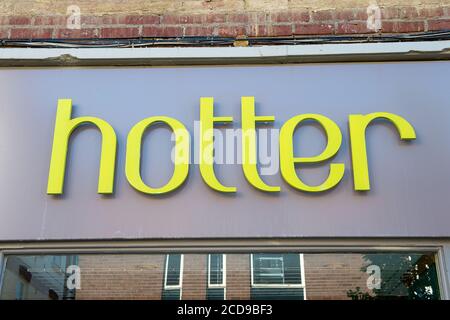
pixel 358 123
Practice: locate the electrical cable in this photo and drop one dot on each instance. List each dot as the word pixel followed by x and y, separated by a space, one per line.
pixel 222 41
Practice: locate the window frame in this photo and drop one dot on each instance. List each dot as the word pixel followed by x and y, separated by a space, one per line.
pixel 180 278
pixel 439 246
pixel 223 285
pixel 3 260
pixel 279 285
pixel 224 272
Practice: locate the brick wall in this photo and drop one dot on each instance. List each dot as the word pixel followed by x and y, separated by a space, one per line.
pixel 140 276
pixel 195 276
pixel 119 276
pixel 238 276
pixel 62 19
pixel 331 276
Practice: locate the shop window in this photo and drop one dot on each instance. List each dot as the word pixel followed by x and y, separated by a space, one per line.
pixel 399 275
pixel 19 290
pixel 37 277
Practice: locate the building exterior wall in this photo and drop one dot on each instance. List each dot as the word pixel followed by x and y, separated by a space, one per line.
pixel 329 277
pixel 37 19
pixel 195 276
pixel 118 276
pixel 238 276
pixel 140 276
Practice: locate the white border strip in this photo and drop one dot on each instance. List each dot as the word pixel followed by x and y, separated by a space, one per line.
pixel 226 55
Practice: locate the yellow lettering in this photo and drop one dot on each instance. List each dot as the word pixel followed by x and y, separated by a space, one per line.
pixel 358 124
pixel 249 159
pixel 181 155
pixel 64 126
pixel 288 161
pixel 206 161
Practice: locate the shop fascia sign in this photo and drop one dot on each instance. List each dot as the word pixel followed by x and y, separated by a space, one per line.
pixel 65 125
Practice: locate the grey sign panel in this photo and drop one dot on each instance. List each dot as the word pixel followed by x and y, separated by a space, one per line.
pixel 410 181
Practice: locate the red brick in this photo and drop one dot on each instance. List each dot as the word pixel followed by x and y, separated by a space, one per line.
pixel 130 19
pixel 198 31
pixel 322 15
pixel 50 20
pixel 431 12
pixel 151 19
pixel 436 25
pixel 138 19
pixel 195 276
pixel 194 19
pixel 4 33
pixel 238 18
pixel 170 19
pixel 313 29
pixel 402 27
pixel 181 19
pixel 31 33
pixel 259 18
pixel 215 18
pixel 408 13
pixel 77 33
pixel 299 16
pixel 231 31
pixel 140 277
pixel 119 33
pixel 282 30
pixel 390 13
pixel 120 19
pixel 352 28
pixel 162 31
pixel 388 27
pixel 97 21
pixel 395 19
pixel 351 14
pixel 259 31
pixel 405 27
pixel 19 20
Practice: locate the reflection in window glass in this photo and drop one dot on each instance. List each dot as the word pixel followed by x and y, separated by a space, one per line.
pixel 172 278
pixel 37 277
pixel 402 276
pixel 216 269
pixel 315 276
pixel 216 277
pixel 277 276
pixel 276 269
pixel 173 270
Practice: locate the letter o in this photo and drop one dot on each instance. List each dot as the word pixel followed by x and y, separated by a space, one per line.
pixel 181 155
